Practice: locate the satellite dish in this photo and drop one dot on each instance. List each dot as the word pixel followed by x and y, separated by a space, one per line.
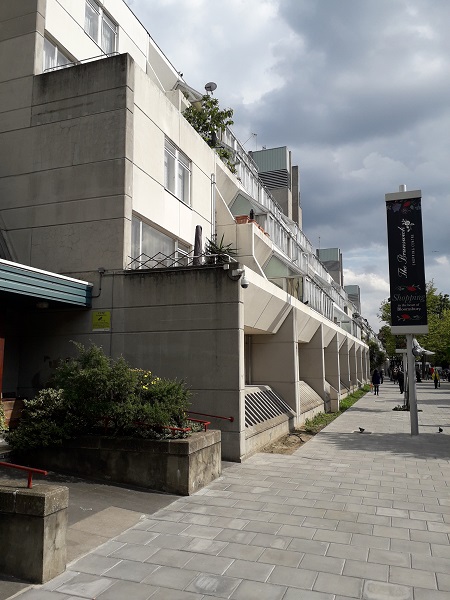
pixel 210 86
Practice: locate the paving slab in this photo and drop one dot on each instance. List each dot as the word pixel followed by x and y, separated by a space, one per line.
pixel 348 515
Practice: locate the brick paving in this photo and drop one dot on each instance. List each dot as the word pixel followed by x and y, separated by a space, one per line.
pixel 348 515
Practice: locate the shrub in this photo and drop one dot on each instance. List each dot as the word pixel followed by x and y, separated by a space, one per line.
pixel 95 394
pixel 46 419
pixel 2 417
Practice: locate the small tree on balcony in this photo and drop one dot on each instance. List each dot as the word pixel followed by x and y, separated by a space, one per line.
pixel 209 120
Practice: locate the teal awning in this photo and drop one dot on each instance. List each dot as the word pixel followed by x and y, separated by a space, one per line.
pixel 28 281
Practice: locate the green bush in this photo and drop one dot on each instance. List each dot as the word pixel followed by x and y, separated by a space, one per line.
pixel 46 419
pixel 95 394
pixel 2 417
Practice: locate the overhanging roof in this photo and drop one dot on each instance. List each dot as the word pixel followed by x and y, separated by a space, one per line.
pixel 28 281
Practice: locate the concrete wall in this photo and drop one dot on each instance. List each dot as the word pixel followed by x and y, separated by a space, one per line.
pixel 184 324
pixel 66 195
pixel 178 466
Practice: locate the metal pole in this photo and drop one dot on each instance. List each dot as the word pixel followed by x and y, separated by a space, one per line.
pixel 412 385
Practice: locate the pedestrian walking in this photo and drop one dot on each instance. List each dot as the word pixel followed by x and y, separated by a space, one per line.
pixel 401 380
pixel 395 375
pixel 376 379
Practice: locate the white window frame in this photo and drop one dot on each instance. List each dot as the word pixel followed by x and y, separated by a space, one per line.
pixel 103 21
pixel 182 250
pixel 57 56
pixel 177 172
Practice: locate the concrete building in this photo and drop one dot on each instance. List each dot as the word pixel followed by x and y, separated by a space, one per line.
pixel 102 185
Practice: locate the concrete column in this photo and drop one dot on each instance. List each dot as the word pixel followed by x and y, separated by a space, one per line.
pixel 332 371
pixel 33 524
pixel 344 363
pixel 312 363
pixel 367 364
pixel 353 367
pixel 359 365
pixel 275 359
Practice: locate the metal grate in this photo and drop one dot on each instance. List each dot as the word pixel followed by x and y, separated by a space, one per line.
pixel 276 179
pixel 309 399
pixel 264 405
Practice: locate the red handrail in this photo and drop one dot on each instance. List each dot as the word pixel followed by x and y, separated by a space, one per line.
pixel 231 419
pixel 29 469
pixel 204 423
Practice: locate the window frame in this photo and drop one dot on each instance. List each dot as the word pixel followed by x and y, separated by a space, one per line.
pixel 56 58
pixel 103 19
pixel 177 180
pixel 180 250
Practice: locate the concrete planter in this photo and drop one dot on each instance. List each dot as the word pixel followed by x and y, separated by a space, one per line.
pixel 176 466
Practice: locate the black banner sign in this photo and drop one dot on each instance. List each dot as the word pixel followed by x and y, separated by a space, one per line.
pixel 406 264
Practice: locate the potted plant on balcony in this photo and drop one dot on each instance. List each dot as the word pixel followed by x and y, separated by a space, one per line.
pixel 218 253
pixel 242 219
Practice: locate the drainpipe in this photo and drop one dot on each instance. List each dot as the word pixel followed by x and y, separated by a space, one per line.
pixel 213 206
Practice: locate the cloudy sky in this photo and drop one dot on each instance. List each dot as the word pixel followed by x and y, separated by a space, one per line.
pixel 359 90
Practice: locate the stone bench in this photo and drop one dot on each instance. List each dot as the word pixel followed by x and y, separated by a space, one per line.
pixel 33 525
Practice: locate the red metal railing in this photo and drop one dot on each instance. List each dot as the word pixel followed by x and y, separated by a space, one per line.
pixel 30 471
pixel 204 423
pixel 107 420
pixel 231 419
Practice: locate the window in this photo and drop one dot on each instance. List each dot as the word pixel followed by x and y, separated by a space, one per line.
pixel 53 57
pixel 177 172
pixel 152 242
pixel 100 27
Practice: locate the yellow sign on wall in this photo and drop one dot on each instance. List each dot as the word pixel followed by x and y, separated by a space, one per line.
pixel 101 320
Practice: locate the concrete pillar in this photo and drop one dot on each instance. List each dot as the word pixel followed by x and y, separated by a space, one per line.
pixel 353 367
pixel 275 359
pixel 344 363
pixel 312 363
pixel 33 525
pixel 359 365
pixel 332 371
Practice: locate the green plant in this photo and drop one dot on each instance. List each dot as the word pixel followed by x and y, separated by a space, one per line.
pixel 95 394
pixel 218 252
pixel 46 419
pixel 2 417
pixel 209 120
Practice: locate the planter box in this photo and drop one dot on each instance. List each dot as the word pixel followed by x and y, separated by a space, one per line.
pixel 174 466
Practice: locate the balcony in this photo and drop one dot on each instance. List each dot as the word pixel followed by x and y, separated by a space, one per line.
pixel 285 234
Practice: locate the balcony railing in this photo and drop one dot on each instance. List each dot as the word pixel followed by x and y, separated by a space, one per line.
pixel 284 233
pixel 177 259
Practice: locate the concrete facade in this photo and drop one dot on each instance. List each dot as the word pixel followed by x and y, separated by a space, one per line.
pixel 86 188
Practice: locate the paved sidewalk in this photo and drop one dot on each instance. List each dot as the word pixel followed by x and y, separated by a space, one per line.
pixel 349 515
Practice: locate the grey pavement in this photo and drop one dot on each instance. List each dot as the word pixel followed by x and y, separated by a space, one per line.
pixel 348 515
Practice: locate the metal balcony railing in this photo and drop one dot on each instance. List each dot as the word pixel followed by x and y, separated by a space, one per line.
pixel 178 259
pixel 284 233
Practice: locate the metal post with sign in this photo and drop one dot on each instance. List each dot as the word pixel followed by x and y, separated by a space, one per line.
pixel 407 278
